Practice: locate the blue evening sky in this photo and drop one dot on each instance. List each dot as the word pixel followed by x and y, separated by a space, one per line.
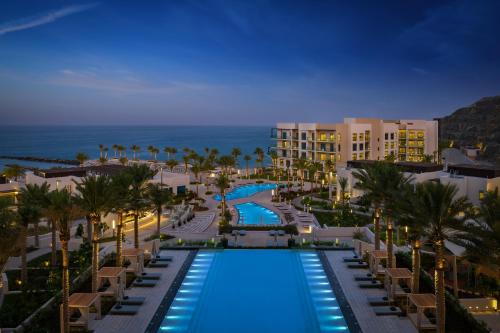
pixel 251 62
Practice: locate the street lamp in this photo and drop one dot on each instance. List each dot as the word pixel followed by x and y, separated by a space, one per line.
pixel 113 225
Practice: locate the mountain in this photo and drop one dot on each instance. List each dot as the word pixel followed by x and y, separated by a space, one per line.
pixel 476 125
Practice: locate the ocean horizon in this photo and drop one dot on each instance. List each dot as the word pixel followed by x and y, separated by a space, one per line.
pixel 65 141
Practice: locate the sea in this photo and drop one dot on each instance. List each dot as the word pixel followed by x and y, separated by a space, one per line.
pixel 64 142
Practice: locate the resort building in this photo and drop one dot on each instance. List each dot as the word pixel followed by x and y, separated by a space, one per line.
pixel 356 139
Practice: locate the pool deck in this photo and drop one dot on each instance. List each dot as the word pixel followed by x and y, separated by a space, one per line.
pixel 356 297
pixel 154 296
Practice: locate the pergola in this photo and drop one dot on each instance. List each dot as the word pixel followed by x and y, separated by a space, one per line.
pixel 136 258
pixel 393 279
pixel 375 259
pixel 82 302
pixel 417 304
pixel 117 279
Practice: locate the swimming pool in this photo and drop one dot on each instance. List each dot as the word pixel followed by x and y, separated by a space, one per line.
pixel 249 291
pixel 246 191
pixel 250 213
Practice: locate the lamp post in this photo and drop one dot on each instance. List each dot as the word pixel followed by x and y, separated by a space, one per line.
pixel 113 225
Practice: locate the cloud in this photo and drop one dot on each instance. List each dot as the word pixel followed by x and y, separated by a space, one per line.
pixel 41 19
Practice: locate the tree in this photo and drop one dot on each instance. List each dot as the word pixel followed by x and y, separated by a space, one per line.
pixel 300 165
pixel 136 149
pixel 13 172
pixel 481 238
pixel 153 151
pixel 170 151
pixel 101 149
pixel 35 194
pixel 82 158
pixel 120 185
pixel 197 168
pixel 226 162
pixel 123 161
pixel 314 168
pixel 274 158
pixel 222 183
pixel 427 158
pixel 235 153
pixel 158 197
pixel 138 201
pixel 171 164
pixel 9 230
pixel 121 151
pixel 259 157
pixel 186 158
pixel 390 158
pixel 94 198
pixel 62 211
pixel 115 148
pixel 444 213
pixel 247 159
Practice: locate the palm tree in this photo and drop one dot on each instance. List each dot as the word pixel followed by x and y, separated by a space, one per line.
pixel 259 157
pixel 158 197
pixel 444 213
pixel 13 172
pixel 120 185
pixel 186 158
pixel 236 152
pixel 29 211
pixel 274 158
pixel 82 158
pixel 368 181
pixel 62 210
pixel 482 238
pixel 101 149
pixel 314 168
pixel 136 149
pixel 343 181
pixel 226 162
pixel 9 230
pixel 121 150
pixel 115 148
pixel 171 164
pixel 170 151
pixel 123 161
pixel 139 174
pixel 35 194
pixel 94 199
pixel 247 159
pixel 222 183
pixel 300 164
pixel 197 169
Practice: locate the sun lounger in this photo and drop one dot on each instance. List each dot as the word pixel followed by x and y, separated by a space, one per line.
pixel 358 265
pixel 150 276
pixel 243 232
pixel 364 277
pixel 272 232
pixel 234 232
pixel 281 232
pixel 371 284
pixel 163 258
pixel 132 300
pixel 379 301
pixel 352 259
pixel 128 310
pixel 157 264
pixel 387 311
pixel 144 283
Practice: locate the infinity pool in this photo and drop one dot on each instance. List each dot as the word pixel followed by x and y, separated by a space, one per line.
pixel 246 191
pixel 255 214
pixel 250 291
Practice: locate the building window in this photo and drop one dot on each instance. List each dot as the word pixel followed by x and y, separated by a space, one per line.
pixel 354 137
pixel 322 137
pixel 402 134
pixel 392 145
pixel 361 136
pixel 322 147
pixel 420 134
pixel 283 135
pixel 303 155
pixel 322 157
pixel 338 149
pixel 332 136
pixel 361 156
pixel 386 145
pixel 412 135
pixel 354 147
pixel 387 136
pixel 303 145
pixel 354 157
pixel 392 136
pixel 360 146
pixel 303 135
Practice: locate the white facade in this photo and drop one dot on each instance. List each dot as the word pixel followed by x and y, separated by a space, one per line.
pixel 178 182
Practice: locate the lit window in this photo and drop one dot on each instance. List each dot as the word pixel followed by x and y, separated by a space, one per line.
pixel 392 145
pixel 354 156
pixel 386 145
pixel 322 137
pixel 361 137
pixel 354 136
pixel 420 134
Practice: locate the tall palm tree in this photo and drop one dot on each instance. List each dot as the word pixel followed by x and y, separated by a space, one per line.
pixel 82 158
pixel 171 164
pixel 115 148
pixel 94 198
pixel 158 197
pixel 9 230
pixel 274 158
pixel 186 158
pixel 226 162
pixel 120 185
pixel 62 209
pixel 343 181
pixel 121 150
pixel 300 164
pixel 29 211
pixel 247 159
pixel 368 180
pixel 35 194
pixel 482 237
pixel 314 168
pixel 235 153
pixel 222 183
pixel 136 149
pixel 259 157
pixel 170 151
pixel 197 169
pixel 138 201
pixel 444 213
pixel 101 149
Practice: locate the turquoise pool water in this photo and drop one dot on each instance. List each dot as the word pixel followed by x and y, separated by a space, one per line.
pixel 245 191
pixel 255 291
pixel 250 213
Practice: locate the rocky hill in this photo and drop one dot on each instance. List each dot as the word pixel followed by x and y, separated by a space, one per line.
pixel 475 125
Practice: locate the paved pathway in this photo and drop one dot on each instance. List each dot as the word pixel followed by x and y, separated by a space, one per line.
pixel 356 296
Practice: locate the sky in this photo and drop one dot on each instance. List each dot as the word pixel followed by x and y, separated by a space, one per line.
pixel 254 62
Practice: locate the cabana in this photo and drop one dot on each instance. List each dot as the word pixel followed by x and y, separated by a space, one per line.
pixel 116 277
pixel 418 305
pixel 375 261
pixel 79 309
pixel 136 258
pixel 397 282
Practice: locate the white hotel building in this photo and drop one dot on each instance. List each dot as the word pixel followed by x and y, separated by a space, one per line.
pixel 356 139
